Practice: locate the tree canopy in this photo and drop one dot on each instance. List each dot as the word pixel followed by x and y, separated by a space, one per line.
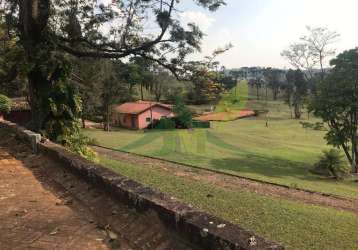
pixel 49 32
pixel 336 103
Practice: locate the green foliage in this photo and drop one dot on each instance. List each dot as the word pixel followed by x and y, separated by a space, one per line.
pixel 336 103
pixel 315 126
pixel 207 88
pixel 273 81
pixel 235 99
pixel 78 143
pixel 277 219
pixel 63 108
pixel 5 104
pixel 165 123
pixel 283 154
pixel 227 81
pixel 12 64
pixel 331 164
pixel 296 89
pixel 201 124
pixel 183 114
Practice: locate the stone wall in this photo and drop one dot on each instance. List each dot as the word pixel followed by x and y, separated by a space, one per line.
pixel 200 228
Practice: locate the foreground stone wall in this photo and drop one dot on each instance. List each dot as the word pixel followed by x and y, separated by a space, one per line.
pixel 200 228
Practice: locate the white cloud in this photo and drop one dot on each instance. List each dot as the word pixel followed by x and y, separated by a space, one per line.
pixel 199 18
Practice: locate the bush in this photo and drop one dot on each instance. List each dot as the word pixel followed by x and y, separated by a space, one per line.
pixel 319 126
pixel 183 117
pixel 5 104
pixel 165 123
pixel 331 164
pixel 200 124
pixel 78 143
pixel 315 126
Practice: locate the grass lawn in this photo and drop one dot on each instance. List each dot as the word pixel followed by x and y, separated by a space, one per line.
pixel 235 99
pixel 293 224
pixel 283 152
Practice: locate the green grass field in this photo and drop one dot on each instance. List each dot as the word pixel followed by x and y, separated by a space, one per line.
pixel 283 152
pixel 293 224
pixel 235 99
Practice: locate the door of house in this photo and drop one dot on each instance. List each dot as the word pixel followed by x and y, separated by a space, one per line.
pixel 133 121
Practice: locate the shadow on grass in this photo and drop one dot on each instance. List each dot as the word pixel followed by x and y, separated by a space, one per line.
pixel 265 166
pixel 145 140
pixel 249 163
pixel 242 162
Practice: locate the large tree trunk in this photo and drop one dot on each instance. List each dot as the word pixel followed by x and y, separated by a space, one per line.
pixel 274 93
pixel 33 19
pixel 107 115
pixel 39 88
pixel 354 151
pixel 83 122
pixel 297 110
pixel 266 93
pixel 141 92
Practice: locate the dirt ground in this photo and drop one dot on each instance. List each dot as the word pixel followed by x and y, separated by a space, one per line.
pixel 42 206
pixel 233 183
pixel 226 116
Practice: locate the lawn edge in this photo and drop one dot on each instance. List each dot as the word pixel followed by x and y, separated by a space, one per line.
pixel 233 175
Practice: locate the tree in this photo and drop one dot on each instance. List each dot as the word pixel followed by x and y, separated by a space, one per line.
pixel 257 84
pixel 142 73
pixel 5 104
pixel 113 88
pixel 295 91
pixel 301 57
pixel 312 50
pixel 205 78
pixel 87 78
pixel 12 77
pixel 273 81
pixel 50 30
pixel 182 114
pixel 227 81
pixel 336 103
pixel 206 86
pixel 161 83
pixel 318 41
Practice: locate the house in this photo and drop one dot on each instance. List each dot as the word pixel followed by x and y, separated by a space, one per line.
pixel 20 111
pixel 139 115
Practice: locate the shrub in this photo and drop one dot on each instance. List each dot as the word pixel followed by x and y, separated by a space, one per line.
pixel 165 123
pixel 315 126
pixel 331 164
pixel 78 143
pixel 201 124
pixel 5 104
pixel 319 126
pixel 183 115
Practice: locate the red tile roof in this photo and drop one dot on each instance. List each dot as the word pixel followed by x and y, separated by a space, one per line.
pixel 139 107
pixel 20 104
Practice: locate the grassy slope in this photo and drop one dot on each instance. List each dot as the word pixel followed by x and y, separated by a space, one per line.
pixel 296 225
pixel 282 153
pixel 235 99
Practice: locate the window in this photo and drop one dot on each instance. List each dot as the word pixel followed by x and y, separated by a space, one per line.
pixel 147 119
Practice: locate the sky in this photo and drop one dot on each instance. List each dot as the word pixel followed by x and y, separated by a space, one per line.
pixel 261 29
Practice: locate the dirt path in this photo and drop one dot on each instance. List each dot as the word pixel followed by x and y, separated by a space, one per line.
pixel 232 182
pixel 42 206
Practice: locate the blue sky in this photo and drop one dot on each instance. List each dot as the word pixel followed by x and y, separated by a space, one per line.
pixel 261 29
